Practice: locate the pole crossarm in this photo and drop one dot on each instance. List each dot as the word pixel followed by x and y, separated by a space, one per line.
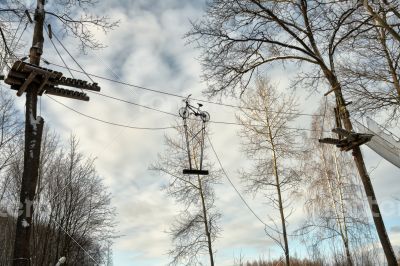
pixel 23 74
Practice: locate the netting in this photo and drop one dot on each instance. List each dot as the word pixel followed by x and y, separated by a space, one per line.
pixel 384 143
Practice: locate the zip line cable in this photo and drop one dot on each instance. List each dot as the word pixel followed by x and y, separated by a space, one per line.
pixel 58 53
pixel 108 122
pixel 144 88
pixel 175 115
pixel 173 94
pixel 76 62
pixel 132 103
pixel 234 187
pixel 161 111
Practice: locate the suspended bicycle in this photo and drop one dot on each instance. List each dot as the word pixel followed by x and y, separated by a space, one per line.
pixel 185 113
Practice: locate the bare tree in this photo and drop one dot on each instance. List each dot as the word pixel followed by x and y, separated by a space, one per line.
pixel 12 25
pixel 74 217
pixel 79 208
pixel 334 198
pixel 239 37
pixel 74 18
pixel 10 131
pixel 270 143
pixel 196 227
pixel 372 78
pixel 386 14
pixel 10 149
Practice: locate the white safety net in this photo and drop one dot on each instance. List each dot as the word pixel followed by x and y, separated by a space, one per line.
pixel 384 143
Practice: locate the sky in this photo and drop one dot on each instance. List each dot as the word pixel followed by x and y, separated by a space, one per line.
pixel 148 49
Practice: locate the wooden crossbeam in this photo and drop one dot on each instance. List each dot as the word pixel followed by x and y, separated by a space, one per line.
pixel 22 74
pixel 77 83
pixel 44 71
pixel 67 93
pixel 44 82
pixel 28 81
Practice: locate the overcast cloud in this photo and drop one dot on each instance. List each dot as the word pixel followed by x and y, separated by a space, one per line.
pixel 148 50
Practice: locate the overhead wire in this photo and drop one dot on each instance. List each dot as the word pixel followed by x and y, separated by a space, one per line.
pixel 234 187
pixel 152 90
pixel 108 122
pixel 73 58
pixel 133 103
pixel 157 110
pixel 175 115
pixel 11 52
pixel 58 53
pixel 154 109
pixel 177 95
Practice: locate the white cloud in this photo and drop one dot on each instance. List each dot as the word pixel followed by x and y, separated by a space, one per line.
pixel 147 49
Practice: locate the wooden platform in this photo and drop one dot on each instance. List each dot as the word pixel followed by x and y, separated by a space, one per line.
pixel 195 172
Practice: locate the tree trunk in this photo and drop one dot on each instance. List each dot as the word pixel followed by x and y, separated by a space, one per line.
pixel 205 220
pixel 345 235
pixel 376 213
pixel 278 188
pixel 391 66
pixel 340 219
pixel 359 160
pixel 381 20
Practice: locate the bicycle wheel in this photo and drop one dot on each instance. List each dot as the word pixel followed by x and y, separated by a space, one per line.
pixel 184 112
pixel 205 116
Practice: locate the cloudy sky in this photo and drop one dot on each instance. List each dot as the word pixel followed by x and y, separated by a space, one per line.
pixel 147 49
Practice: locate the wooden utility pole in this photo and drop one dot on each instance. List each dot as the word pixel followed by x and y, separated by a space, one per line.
pixel 33 138
pixel 35 80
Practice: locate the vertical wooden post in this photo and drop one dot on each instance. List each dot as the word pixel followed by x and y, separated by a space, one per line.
pixel 33 138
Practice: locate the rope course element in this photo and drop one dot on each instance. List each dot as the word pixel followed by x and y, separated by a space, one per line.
pixel 185 113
